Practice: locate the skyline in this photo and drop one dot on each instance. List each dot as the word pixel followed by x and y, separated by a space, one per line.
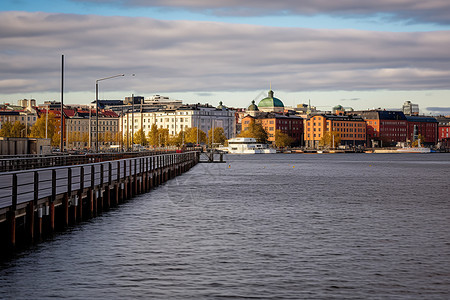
pixel 363 56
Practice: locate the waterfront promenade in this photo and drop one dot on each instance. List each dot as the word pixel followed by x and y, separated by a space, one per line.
pixel 35 203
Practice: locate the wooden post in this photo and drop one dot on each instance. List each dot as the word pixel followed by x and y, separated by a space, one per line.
pixel 52 216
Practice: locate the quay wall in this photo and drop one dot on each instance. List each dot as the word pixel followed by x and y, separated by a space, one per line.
pixel 36 203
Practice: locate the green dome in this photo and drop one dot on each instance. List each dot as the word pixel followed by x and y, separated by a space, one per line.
pixel 271 101
pixel 253 107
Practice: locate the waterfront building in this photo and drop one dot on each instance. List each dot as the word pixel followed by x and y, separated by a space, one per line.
pixel 292 125
pixel 351 129
pixel 180 118
pixel 444 132
pixel 384 128
pixel 427 127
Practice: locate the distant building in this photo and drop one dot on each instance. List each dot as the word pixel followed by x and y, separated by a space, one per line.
pixel 384 128
pixel 410 109
pixel 178 119
pixel 351 129
pixel 426 126
pixel 291 125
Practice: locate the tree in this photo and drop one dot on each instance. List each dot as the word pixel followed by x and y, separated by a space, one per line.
pixel 6 129
pixel 191 136
pixel 163 136
pixel 18 130
pixel 219 136
pixel 153 136
pixel 139 137
pixel 282 140
pixel 256 131
pixel 38 129
pixel 420 138
pixel 327 139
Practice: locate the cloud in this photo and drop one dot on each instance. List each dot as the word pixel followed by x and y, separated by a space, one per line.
pixel 430 11
pixel 178 56
pixel 438 109
pixel 350 99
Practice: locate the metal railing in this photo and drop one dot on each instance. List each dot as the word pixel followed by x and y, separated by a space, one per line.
pixel 15 163
pixel 23 186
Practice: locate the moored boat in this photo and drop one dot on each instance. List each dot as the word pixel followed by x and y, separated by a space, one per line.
pixel 247 146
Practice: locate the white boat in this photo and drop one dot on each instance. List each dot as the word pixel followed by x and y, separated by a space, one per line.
pixel 414 150
pixel 418 149
pixel 247 146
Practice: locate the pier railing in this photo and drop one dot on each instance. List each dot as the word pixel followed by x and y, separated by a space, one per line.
pixel 22 186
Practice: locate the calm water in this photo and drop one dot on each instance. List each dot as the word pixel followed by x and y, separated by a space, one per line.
pixel 361 226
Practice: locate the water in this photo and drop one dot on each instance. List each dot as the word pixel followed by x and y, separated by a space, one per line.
pixel 356 226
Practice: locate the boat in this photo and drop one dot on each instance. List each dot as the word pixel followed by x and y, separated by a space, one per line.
pixel 418 149
pixel 247 146
pixel 414 150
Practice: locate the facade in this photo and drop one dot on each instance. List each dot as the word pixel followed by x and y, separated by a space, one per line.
pixel 410 109
pixel 291 125
pixel 384 128
pixel 444 132
pixel 426 126
pixel 176 120
pixel 351 129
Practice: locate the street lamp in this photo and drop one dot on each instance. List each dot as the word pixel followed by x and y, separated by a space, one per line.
pixel 96 107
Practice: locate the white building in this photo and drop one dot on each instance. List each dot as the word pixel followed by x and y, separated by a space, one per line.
pixel 176 120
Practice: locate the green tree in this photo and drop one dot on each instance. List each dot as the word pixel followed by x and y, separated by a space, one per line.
pixel 282 140
pixel 153 136
pixel 256 131
pixel 139 137
pixel 327 139
pixel 219 136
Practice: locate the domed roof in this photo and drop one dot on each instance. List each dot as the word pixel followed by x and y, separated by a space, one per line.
pixel 270 101
pixel 253 107
pixel 338 107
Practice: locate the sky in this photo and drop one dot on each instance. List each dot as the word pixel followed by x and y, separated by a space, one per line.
pixel 362 54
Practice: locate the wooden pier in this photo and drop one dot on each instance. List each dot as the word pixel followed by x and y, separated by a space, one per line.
pixel 35 203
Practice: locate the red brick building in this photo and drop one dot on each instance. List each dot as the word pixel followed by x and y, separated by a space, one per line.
pixel 384 128
pixel 426 126
pixel 289 124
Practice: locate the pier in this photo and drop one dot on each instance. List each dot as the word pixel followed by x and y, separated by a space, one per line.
pixel 36 203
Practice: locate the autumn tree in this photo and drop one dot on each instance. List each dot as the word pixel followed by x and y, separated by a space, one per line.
pixel 163 136
pixel 38 130
pixel 255 130
pixel 420 138
pixel 139 137
pixel 219 136
pixel 192 134
pixel 6 129
pixel 153 136
pixel 282 140
pixel 330 139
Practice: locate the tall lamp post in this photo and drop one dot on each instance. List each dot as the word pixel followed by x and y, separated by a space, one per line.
pixel 96 107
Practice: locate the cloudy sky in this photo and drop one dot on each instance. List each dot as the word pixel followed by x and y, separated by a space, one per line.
pixel 357 53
